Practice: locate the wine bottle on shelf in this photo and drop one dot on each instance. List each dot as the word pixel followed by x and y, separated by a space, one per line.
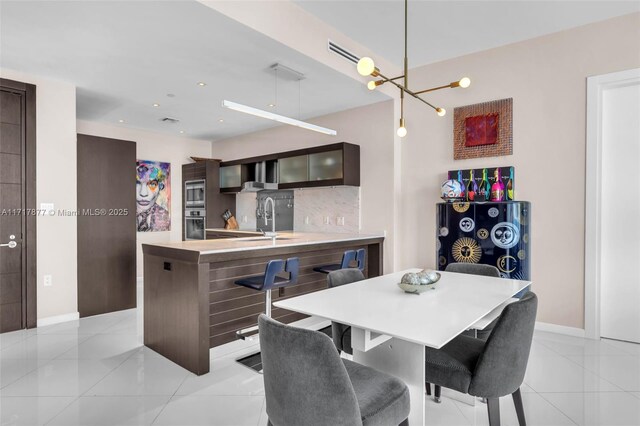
pixel 472 187
pixel 483 189
pixel 462 186
pixel 510 185
pixel 497 189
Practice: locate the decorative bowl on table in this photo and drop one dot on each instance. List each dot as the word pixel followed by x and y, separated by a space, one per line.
pixel 418 282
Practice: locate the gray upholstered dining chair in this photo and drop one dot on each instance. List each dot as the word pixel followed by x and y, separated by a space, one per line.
pixel 341 333
pixel 307 383
pixel 476 269
pixel 490 369
pixel 472 269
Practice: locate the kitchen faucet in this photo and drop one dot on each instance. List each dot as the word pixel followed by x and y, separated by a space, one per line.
pixel 271 234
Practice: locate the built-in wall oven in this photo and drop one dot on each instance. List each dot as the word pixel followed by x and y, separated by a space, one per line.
pixel 194 224
pixel 194 194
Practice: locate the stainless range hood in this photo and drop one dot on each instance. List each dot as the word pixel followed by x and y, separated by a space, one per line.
pixel 266 177
pixel 255 186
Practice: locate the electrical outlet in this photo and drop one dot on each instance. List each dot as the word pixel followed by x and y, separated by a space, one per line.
pixel 340 220
pixel 48 280
pixel 327 220
pixel 306 220
pixel 244 219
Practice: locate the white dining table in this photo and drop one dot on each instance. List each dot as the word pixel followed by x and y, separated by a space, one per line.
pixel 390 328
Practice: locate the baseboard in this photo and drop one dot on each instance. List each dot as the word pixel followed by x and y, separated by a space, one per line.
pixel 56 319
pixel 560 329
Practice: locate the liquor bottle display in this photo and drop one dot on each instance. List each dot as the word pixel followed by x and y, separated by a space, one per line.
pixel 497 189
pixel 472 187
pixel 463 195
pixel 510 186
pixel 482 184
pixel 484 188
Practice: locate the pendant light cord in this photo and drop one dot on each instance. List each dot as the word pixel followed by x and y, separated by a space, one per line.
pixel 406 60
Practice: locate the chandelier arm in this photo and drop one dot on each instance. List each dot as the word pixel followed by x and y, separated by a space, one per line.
pixel 420 99
pixel 392 80
pixel 446 86
pixel 401 87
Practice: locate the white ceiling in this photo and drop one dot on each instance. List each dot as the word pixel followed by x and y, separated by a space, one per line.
pixel 125 56
pixel 440 30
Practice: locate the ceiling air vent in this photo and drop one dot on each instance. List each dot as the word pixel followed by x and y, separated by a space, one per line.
pixel 170 120
pixel 342 52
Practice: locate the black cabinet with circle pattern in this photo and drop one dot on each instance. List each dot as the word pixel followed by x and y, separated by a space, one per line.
pixel 491 233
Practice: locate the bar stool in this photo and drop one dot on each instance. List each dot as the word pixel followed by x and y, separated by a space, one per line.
pixel 269 281
pixel 361 258
pixel 348 257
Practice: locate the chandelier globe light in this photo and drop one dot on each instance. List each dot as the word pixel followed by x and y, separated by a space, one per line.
pixel 367 67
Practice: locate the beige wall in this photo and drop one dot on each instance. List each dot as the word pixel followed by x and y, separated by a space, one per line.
pixel 371 127
pixel 546 77
pixel 56 183
pixel 158 147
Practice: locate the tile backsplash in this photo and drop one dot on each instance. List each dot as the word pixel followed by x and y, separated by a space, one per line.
pixel 327 209
pixel 246 210
pixel 332 210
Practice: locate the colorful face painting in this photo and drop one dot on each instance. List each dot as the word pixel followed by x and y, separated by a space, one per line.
pixel 153 196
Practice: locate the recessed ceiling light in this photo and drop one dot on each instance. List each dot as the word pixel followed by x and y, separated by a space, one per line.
pixel 156 105
pixel 181 131
pixel 120 121
pixel 202 84
pixel 272 105
pixel 221 120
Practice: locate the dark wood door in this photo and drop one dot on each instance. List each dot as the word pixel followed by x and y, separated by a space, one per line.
pixel 11 204
pixel 17 205
pixel 106 225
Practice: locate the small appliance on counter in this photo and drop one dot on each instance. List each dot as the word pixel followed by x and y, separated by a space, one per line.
pixel 283 201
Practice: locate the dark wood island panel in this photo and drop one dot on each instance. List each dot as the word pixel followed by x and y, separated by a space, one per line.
pixel 192 304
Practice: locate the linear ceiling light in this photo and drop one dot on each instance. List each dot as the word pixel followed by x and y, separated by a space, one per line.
pixel 366 66
pixel 277 117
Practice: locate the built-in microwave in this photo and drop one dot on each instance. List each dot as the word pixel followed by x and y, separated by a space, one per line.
pixel 194 194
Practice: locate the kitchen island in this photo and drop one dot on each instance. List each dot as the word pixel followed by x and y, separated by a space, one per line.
pixel 191 303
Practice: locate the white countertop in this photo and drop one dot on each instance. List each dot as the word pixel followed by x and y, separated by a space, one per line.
pixel 432 318
pixel 285 239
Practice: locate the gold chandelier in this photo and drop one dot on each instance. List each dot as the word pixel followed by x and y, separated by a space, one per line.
pixel 366 67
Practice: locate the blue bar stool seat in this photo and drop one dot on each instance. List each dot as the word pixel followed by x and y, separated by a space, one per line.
pixel 268 281
pixel 361 257
pixel 348 257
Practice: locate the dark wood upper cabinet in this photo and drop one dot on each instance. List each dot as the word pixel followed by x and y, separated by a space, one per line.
pixel 326 165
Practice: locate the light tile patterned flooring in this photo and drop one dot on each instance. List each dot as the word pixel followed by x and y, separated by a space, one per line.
pixel 95 371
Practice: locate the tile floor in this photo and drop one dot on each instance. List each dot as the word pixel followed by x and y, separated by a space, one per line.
pixel 95 371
